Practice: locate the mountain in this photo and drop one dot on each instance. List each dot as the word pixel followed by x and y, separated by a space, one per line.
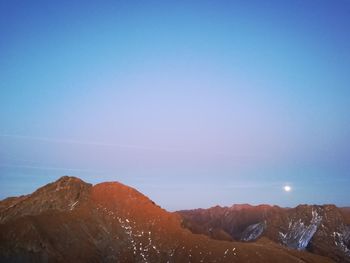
pixel 322 230
pixel 73 221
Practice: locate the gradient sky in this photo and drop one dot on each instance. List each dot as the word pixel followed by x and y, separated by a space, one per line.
pixel 194 103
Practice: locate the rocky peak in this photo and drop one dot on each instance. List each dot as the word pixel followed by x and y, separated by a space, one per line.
pixel 64 194
pixel 124 199
pixel 238 207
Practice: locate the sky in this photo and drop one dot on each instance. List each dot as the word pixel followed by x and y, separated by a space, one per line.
pixel 193 103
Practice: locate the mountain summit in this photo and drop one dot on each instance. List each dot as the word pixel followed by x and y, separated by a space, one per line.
pixel 73 221
pixel 62 195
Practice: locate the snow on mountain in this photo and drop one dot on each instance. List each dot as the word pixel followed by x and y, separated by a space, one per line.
pixel 300 233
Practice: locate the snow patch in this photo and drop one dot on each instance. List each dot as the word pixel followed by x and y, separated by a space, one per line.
pixel 253 232
pixel 299 234
pixel 73 205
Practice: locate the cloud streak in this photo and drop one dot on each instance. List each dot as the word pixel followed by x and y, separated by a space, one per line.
pixel 48 168
pixel 102 144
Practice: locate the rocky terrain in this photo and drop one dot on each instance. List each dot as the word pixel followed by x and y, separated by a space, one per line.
pixel 73 221
pixel 322 230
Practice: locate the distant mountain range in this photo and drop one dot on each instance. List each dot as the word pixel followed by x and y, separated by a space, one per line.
pixel 322 230
pixel 73 221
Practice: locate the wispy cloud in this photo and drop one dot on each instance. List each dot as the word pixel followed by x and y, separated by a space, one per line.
pixel 255 185
pixel 102 144
pixel 238 185
pixel 34 167
pixel 48 168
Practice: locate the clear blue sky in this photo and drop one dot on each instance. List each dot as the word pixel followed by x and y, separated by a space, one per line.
pixel 194 103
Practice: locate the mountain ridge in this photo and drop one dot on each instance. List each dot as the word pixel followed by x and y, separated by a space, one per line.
pixel 321 229
pixel 70 220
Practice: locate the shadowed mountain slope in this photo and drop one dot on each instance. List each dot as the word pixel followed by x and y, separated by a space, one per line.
pixel 323 230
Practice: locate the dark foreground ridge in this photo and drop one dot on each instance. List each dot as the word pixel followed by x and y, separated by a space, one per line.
pixel 73 221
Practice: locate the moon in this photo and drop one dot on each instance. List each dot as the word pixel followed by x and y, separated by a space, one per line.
pixel 287 188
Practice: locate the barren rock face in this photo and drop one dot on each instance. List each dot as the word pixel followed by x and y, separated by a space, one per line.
pixel 72 221
pixel 322 230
